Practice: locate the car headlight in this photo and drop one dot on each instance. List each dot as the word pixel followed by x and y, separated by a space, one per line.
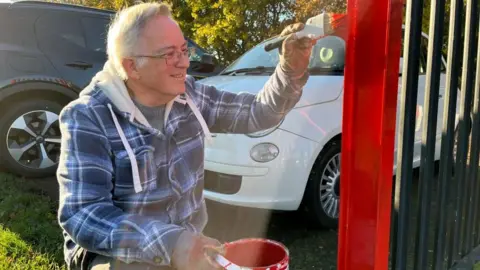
pixel 264 132
pixel 264 152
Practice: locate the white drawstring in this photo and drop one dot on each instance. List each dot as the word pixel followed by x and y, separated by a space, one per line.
pixel 136 176
pixel 200 119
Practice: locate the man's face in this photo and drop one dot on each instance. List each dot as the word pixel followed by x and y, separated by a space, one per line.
pixel 166 73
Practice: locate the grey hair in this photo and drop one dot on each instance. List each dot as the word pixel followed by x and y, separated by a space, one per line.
pixel 125 30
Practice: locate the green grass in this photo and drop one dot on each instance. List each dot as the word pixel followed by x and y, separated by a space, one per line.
pixel 30 237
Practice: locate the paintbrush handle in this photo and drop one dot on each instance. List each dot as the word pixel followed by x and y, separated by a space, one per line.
pixel 275 44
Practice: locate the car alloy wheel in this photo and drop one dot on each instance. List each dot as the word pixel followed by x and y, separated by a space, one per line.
pixel 322 193
pixel 330 187
pixel 33 139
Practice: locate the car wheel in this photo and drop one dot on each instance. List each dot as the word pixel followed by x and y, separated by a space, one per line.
pixel 30 138
pixel 323 189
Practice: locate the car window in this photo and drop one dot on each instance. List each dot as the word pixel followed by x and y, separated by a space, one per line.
pixel 194 52
pixel 328 54
pixel 59 33
pixel 96 33
pixel 424 56
pixel 257 56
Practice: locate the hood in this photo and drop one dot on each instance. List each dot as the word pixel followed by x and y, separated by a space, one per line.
pixel 318 89
pixel 236 84
pixel 115 89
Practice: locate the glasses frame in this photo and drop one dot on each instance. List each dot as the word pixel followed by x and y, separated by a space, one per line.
pixel 168 60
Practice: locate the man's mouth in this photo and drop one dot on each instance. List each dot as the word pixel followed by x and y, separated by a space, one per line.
pixel 179 76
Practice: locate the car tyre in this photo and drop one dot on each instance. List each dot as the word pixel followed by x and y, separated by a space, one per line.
pixel 322 196
pixel 30 138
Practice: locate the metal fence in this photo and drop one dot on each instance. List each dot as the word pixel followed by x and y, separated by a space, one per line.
pixel 452 230
pixel 434 226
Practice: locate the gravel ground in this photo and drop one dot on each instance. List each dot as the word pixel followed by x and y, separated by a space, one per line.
pixel 309 248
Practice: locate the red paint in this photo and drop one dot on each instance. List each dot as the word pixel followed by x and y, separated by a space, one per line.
pixel 369 117
pixel 257 254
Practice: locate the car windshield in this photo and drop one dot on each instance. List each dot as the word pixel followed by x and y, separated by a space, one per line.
pixel 328 55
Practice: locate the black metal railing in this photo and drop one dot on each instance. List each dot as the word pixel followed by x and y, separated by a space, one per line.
pixel 438 224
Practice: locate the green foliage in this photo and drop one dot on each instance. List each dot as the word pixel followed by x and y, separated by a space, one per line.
pixel 231 27
pixel 305 9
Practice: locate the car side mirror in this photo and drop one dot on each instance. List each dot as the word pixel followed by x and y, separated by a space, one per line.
pixel 206 63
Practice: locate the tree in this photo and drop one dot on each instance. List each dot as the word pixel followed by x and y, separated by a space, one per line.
pixel 182 12
pixel 227 28
pixel 304 9
pixel 231 27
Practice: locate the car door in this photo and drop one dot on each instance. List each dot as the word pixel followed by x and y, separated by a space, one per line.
pixel 62 36
pixel 95 29
pixel 326 70
pixel 420 116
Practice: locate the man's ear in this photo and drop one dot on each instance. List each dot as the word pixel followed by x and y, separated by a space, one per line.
pixel 130 67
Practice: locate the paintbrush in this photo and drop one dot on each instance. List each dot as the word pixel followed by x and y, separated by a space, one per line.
pixel 315 28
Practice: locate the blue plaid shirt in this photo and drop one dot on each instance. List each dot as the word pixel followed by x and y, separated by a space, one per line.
pixel 99 209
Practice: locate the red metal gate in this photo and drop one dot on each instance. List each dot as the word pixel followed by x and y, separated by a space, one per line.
pixel 370 101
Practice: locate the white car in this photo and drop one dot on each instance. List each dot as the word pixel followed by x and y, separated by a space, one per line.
pixel 298 162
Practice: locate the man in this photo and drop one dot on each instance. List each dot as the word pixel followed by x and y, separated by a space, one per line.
pixel 131 165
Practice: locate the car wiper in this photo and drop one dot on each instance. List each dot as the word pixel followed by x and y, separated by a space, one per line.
pixel 260 69
pixel 320 71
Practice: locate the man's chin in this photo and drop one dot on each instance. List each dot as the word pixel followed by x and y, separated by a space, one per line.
pixel 181 91
pixel 176 88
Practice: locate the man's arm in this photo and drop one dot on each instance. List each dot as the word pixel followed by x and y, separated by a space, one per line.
pixel 227 112
pixel 86 211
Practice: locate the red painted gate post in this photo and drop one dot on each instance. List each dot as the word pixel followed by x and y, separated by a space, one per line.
pixel 369 117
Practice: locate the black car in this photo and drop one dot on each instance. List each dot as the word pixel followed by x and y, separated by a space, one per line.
pixel 48 53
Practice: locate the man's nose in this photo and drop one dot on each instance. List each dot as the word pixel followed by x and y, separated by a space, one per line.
pixel 184 62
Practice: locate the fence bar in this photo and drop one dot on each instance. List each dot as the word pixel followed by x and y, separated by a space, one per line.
pixel 473 164
pixel 450 107
pixel 469 181
pixel 427 164
pixel 465 108
pixel 370 98
pixel 406 128
pixel 474 152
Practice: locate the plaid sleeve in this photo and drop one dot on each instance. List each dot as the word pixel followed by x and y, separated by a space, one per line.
pixel 227 112
pixel 86 211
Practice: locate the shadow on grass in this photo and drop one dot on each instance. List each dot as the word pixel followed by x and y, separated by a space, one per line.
pixel 28 219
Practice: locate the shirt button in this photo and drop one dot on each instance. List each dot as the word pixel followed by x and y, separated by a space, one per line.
pixel 157 260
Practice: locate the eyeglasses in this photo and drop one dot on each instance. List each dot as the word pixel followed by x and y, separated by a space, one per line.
pixel 171 58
